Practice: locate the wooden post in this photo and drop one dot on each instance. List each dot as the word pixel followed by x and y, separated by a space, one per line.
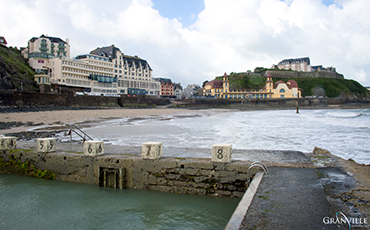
pixel 297 111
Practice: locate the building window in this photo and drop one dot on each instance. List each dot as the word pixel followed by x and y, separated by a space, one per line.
pixel 282 91
pixel 43 47
pixel 282 96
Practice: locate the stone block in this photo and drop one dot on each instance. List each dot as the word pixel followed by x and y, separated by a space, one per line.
pixel 166 189
pixel 46 145
pixel 151 150
pixel 201 191
pixel 161 181
pixel 8 143
pixel 238 194
pixel 199 179
pixel 224 193
pixel 152 180
pixel 221 153
pixel 93 148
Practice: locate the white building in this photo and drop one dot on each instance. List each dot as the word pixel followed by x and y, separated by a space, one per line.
pixel 303 65
pixel 105 70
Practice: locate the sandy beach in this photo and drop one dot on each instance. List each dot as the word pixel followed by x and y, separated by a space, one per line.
pixel 77 116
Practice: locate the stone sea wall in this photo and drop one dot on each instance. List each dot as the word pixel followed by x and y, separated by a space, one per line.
pixel 19 100
pixel 176 175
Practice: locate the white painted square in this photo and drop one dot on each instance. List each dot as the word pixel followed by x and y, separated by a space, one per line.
pixel 8 143
pixel 151 150
pixel 46 145
pixel 93 148
pixel 221 153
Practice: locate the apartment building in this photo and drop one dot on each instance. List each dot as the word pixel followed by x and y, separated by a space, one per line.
pixel 166 87
pixel 104 70
pixel 177 90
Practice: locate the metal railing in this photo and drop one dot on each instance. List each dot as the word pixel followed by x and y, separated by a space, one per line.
pixel 255 164
pixel 74 129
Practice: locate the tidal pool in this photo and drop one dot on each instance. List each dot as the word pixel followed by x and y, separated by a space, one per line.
pixel 33 203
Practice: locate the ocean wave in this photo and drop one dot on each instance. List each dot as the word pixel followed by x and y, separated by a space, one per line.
pixel 343 114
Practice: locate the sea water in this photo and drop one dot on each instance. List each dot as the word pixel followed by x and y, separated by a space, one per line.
pixel 345 133
pixel 33 203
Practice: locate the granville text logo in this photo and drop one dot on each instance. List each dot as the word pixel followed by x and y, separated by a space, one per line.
pixel 340 218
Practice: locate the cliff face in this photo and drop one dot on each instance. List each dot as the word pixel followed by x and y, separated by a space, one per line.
pixel 14 70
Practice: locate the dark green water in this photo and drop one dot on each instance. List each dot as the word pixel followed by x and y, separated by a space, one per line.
pixel 32 203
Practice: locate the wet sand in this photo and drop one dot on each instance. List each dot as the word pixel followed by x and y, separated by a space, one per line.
pixel 61 117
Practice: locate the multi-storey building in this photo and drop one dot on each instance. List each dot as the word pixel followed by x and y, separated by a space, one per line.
pixel 177 90
pixel 166 87
pixel 279 89
pixel 296 64
pixel 192 90
pixel 104 70
pixel 133 74
pixel 213 88
pixel 303 65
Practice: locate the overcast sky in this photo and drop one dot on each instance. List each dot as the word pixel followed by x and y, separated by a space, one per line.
pixel 190 41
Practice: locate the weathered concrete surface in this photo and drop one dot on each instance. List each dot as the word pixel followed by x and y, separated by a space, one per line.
pixel 289 198
pixel 242 208
pixel 177 175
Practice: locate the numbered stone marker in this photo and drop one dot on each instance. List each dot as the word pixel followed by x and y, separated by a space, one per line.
pixel 46 145
pixel 221 153
pixel 151 150
pixel 8 143
pixel 93 148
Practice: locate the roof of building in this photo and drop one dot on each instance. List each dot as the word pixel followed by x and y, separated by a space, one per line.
pixel 295 60
pixel 290 84
pixel 111 52
pixel 163 80
pixel 316 67
pixel 3 41
pixel 52 39
pixel 108 51
pixel 177 86
pixel 215 83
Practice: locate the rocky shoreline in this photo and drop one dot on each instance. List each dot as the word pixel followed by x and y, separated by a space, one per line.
pixel 346 183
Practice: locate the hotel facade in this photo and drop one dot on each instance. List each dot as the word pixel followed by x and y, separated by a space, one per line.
pixel 104 70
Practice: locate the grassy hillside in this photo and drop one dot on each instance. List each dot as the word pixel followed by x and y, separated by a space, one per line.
pixel 244 81
pixel 331 87
pixel 15 70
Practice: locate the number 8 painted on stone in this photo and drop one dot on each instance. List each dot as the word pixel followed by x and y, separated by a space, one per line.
pixel 219 155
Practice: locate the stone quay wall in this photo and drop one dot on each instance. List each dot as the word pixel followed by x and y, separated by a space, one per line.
pixel 19 100
pixel 176 175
